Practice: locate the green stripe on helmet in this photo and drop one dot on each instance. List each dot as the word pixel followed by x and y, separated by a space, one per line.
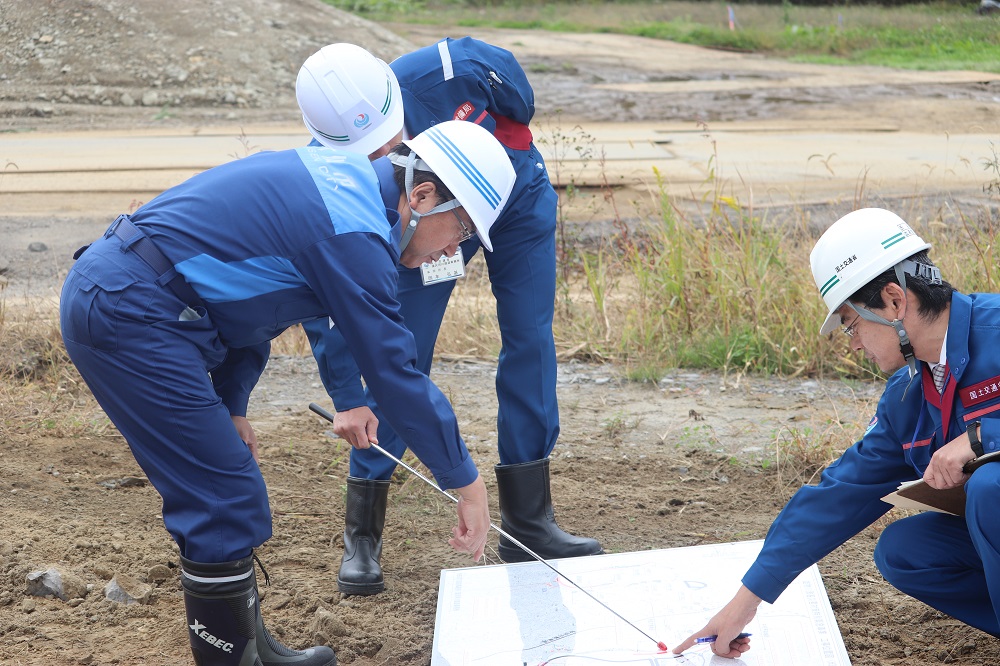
pixel 830 284
pixel 892 240
pixel 388 97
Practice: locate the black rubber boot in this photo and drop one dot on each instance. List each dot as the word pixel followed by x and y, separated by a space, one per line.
pixel 360 572
pixel 224 622
pixel 526 514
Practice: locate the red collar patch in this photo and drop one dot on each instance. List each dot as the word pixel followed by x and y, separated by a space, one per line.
pixel 981 392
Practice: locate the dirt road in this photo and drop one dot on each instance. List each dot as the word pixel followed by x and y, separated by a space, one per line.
pixel 611 109
pixel 638 465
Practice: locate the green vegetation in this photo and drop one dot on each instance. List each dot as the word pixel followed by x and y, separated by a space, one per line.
pixel 926 36
pixel 725 288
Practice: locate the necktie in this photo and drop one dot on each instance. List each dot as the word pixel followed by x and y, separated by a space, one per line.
pixel 938 372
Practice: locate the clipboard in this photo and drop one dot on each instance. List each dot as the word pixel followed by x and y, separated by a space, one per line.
pixel 918 495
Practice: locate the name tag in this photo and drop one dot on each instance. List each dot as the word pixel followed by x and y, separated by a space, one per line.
pixel 981 392
pixel 444 269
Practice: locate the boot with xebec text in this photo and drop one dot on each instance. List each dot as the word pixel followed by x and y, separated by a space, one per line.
pixel 224 621
pixel 360 572
pixel 526 514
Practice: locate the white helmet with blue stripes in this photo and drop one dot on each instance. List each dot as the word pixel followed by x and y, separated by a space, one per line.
pixel 349 99
pixel 473 165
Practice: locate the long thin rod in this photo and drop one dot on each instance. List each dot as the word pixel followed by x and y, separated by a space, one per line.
pixel 329 417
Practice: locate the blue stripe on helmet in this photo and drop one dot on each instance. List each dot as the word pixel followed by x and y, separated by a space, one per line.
pixel 465 165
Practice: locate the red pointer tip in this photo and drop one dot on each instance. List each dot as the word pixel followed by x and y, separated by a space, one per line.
pixel 662 646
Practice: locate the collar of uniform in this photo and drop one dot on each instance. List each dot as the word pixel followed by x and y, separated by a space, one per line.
pixel 386 183
pixel 390 197
pixel 957 338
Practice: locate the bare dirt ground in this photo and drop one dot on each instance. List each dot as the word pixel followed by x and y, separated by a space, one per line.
pixel 640 466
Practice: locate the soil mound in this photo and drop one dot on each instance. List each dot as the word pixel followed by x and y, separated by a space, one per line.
pixel 144 60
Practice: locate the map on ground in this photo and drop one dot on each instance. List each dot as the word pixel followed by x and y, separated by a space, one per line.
pixel 526 615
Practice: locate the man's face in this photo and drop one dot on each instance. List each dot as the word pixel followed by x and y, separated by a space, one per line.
pixel 436 235
pixel 879 342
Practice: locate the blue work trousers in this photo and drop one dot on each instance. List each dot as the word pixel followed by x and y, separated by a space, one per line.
pixel 951 563
pixel 522 271
pixel 149 370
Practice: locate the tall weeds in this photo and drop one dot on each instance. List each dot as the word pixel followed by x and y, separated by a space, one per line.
pixel 725 291
pixel 722 288
pixel 725 288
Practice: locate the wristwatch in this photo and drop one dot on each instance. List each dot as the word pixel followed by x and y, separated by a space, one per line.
pixel 973 431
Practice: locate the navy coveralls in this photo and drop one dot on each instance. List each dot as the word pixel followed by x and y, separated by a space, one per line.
pixel 950 563
pixel 264 242
pixel 467 79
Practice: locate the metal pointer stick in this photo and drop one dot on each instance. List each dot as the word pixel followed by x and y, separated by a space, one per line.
pixel 329 417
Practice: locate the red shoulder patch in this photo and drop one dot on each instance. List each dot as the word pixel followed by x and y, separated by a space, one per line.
pixel 464 111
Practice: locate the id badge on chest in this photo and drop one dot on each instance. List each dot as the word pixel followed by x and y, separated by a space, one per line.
pixel 444 269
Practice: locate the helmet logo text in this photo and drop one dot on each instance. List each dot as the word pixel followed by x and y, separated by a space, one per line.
pixel 845 263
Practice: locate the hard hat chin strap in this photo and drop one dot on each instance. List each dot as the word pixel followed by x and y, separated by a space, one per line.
pixel 411 162
pixel 933 275
pixel 905 347
pixel 907 350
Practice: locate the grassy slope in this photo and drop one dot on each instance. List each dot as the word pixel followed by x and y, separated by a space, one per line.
pixel 930 37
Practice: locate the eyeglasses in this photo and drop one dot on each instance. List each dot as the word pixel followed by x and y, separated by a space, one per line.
pixel 465 232
pixel 849 331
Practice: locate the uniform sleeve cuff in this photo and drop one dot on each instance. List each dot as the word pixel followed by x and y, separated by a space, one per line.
pixel 350 398
pixel 763 584
pixel 458 477
pixel 236 404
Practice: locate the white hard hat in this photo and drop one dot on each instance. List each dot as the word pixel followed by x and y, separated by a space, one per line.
pixel 349 99
pixel 473 165
pixel 855 250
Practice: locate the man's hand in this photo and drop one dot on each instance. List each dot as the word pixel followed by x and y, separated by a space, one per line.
pixel 727 624
pixel 247 434
pixel 945 468
pixel 469 536
pixel 358 427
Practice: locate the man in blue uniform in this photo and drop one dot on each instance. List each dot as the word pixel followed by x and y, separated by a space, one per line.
pixel 169 315
pixel 937 414
pixel 461 79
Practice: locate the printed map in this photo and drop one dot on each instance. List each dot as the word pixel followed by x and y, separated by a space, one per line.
pixel 526 614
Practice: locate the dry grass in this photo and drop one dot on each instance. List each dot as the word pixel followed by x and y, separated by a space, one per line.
pixel 40 389
pixel 723 289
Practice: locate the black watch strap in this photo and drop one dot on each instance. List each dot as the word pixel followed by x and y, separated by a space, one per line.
pixel 973 431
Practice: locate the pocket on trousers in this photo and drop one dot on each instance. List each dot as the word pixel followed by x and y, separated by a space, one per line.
pixel 195 326
pixel 90 312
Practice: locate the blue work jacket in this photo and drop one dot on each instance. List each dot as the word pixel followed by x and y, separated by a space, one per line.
pixel 463 79
pixel 280 238
pixel 897 446
pixel 455 79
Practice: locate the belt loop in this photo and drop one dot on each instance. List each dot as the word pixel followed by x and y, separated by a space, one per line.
pixel 133 238
pixel 129 233
pixel 114 226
